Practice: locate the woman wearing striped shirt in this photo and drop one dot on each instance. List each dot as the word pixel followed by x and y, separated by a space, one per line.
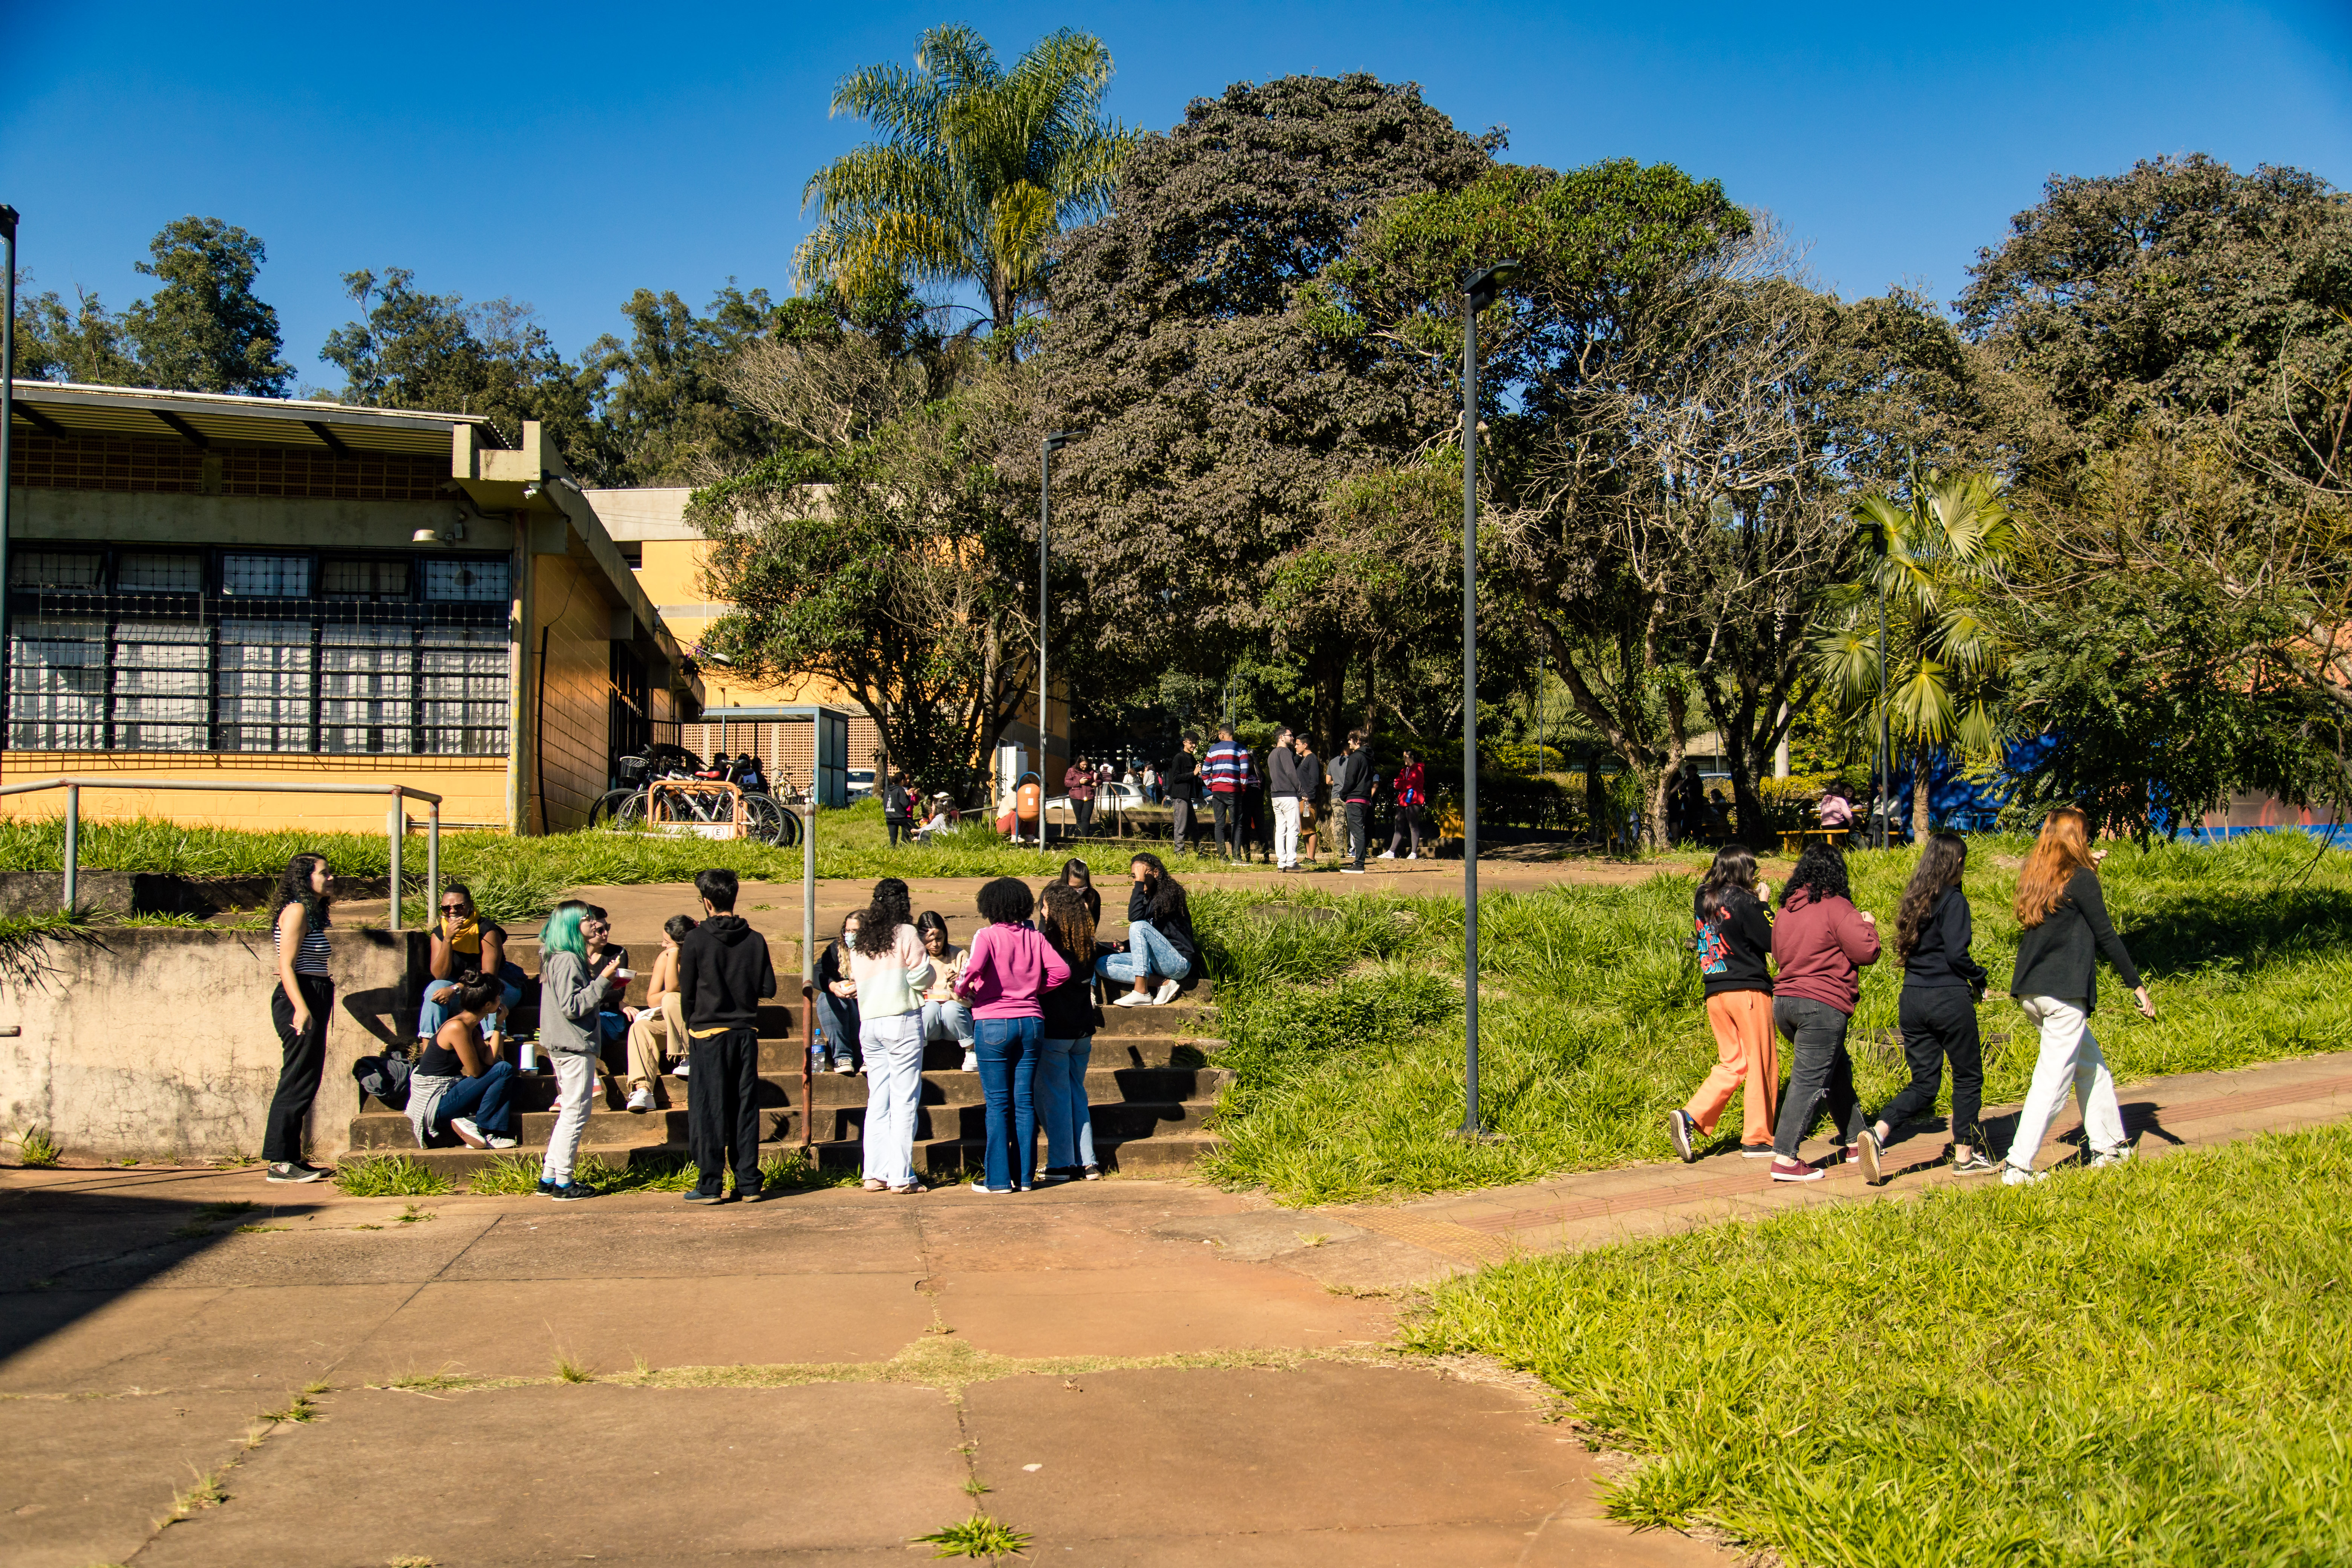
pixel 298 1007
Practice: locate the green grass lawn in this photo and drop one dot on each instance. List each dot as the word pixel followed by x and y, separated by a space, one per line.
pixel 1346 1033
pixel 520 878
pixel 2145 1365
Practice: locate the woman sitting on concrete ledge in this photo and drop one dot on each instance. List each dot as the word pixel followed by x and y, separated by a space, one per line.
pixel 458 1090
pixel 1158 937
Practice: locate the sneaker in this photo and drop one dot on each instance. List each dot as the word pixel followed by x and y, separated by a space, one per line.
pixel 1131 999
pixel 468 1133
pixel 500 1141
pixel 1679 1126
pixel 1866 1150
pixel 1054 1178
pixel 971 1061
pixel 294 1170
pixel 572 1191
pixel 1973 1163
pixel 2021 1176
pixel 546 1189
pixel 1092 1173
pixel 1351 870
pixel 2106 1157
pixel 698 1196
pixel 679 1070
pixel 844 1069
pixel 1168 991
pixel 1387 855
pixel 1414 855
pixel 1758 1152
pixel 874 1185
pixel 1791 1170
pixel 641 1100
pixel 992 1191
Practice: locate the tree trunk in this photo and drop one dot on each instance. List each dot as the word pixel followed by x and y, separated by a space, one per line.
pixel 1596 800
pixel 1919 795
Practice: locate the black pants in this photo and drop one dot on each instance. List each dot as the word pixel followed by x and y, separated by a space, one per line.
pixel 1360 830
pixel 897 825
pixel 298 1074
pixel 1224 811
pixel 1820 1069
pixel 1408 820
pixel 724 1110
pixel 1083 810
pixel 1938 1023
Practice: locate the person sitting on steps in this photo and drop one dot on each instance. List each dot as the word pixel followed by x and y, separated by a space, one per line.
pixel 459 1089
pixel 1160 939
pixel 836 1041
pixel 461 941
pixel 658 1029
pixel 945 1017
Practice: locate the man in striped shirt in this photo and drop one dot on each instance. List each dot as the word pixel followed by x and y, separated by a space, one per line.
pixel 1226 770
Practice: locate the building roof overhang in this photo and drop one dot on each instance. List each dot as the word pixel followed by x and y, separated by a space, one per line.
pixel 204 418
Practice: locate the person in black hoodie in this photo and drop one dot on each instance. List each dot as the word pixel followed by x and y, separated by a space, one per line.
pixel 1351 789
pixel 722 973
pixel 1183 794
pixel 2057 982
pixel 898 808
pixel 1733 937
pixel 1941 987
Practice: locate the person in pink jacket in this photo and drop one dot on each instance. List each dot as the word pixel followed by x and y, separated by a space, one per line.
pixel 1819 946
pixel 1008 971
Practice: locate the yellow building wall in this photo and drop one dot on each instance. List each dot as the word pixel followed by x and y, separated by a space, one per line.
pixel 571 750
pixel 473 790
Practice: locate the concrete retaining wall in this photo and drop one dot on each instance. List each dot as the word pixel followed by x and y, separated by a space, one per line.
pixel 156 1043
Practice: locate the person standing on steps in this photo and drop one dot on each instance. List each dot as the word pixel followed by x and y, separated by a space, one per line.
pixel 1734 937
pixel 1820 945
pixel 1941 987
pixel 572 999
pixel 657 1029
pixel 2056 980
pixel 1160 942
pixel 1009 971
pixel 1078 782
pixel 944 1018
pixel 890 966
pixel 1225 773
pixel 1310 786
pixel 723 972
pixel 1351 790
pixel 1284 789
pixel 1067 1045
pixel 298 1009
pixel 836 1034
pixel 596 931
pixel 1411 797
pixel 1183 787
pixel 459 1089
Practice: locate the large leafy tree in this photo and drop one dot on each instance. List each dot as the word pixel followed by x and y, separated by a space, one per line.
pixel 665 413
pixel 203 329
pixel 410 349
pixel 980 168
pixel 1226 399
pixel 1936 556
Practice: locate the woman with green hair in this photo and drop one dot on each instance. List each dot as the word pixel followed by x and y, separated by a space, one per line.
pixel 570 1000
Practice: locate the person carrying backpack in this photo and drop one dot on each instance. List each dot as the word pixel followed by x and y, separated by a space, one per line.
pixel 1412 800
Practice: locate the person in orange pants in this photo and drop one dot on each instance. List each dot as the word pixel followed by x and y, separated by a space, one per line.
pixel 1734 936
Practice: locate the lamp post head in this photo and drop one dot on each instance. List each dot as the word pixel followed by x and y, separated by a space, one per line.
pixel 1061 439
pixel 1486 283
pixel 7 223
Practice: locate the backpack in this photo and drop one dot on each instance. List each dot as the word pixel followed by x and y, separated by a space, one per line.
pixel 384 1079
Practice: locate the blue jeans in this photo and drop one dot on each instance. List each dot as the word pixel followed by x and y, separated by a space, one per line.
pixel 1062 1101
pixel 1008 1068
pixel 432 1015
pixel 1148 952
pixel 837 1025
pixel 947 1020
pixel 485 1098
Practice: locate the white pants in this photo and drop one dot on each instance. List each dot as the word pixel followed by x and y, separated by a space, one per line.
pixel 575 1088
pixel 2068 1051
pixel 1286 831
pixel 893 1092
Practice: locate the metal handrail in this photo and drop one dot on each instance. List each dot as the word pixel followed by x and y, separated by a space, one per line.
pixel 396 825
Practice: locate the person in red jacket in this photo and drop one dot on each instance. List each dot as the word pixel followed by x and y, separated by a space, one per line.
pixel 1819 945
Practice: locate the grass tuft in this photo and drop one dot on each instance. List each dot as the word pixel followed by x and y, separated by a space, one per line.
pixel 414 1382
pixel 2145 1366
pixel 390 1176
pixel 569 1369
pixel 297 1408
pixel 979 1536
pixel 37 1150
pixel 507 1174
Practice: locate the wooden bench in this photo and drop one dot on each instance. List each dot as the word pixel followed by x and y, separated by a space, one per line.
pixel 1794 839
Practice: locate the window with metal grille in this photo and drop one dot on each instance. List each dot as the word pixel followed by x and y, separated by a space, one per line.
pixel 466 582
pixel 363 579
pixel 161 676
pixel 462 682
pixel 266 576
pixel 57 571
pixel 265 682
pixel 57 677
pixel 158 572
pixel 367 687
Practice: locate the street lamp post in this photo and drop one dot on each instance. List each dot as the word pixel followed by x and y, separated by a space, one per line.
pixel 1479 290
pixel 7 420
pixel 1051 445
pixel 1885 805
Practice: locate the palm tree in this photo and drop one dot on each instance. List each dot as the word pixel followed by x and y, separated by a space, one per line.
pixel 980 169
pixel 1937 553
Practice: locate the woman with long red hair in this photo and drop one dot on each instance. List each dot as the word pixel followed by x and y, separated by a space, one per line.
pixel 2057 982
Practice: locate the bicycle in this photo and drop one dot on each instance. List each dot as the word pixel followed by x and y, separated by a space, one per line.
pixel 762 815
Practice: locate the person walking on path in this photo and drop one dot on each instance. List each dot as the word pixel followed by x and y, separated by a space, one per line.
pixel 459 1089
pixel 299 1010
pixel 1067 1045
pixel 890 966
pixel 1411 798
pixel 1284 789
pixel 1820 945
pixel 658 1030
pixel 1941 987
pixel 1183 794
pixel 1351 789
pixel 723 972
pixel 571 997
pixel 944 1018
pixel 1226 772
pixel 1734 937
pixel 1078 781
pixel 1310 785
pixel 898 808
pixel 1009 970
pixel 2056 980
pixel 1160 942
pixel 1151 784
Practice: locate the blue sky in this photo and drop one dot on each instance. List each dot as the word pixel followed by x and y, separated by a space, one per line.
pixel 564 155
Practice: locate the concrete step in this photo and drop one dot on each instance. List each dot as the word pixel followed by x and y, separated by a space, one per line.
pixel 535 1092
pixel 936 1158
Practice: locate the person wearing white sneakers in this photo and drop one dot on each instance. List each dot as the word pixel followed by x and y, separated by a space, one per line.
pixel 2056 980
pixel 458 1090
pixel 1819 945
pixel 1285 787
pixel 1005 978
pixel 1352 783
pixel 658 1027
pixel 944 1018
pixel 572 996
pixel 1733 934
pixel 1160 942
pixel 1411 795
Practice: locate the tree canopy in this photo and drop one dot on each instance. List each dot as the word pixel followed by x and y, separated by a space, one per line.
pixel 203 329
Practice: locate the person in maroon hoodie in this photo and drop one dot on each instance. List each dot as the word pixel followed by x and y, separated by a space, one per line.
pixel 1820 945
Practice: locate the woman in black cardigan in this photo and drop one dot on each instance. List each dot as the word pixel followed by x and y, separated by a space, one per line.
pixel 2056 982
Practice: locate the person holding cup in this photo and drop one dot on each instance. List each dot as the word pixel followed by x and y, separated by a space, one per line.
pixel 571 996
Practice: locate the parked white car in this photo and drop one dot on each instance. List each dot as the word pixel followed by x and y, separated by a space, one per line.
pixel 861 782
